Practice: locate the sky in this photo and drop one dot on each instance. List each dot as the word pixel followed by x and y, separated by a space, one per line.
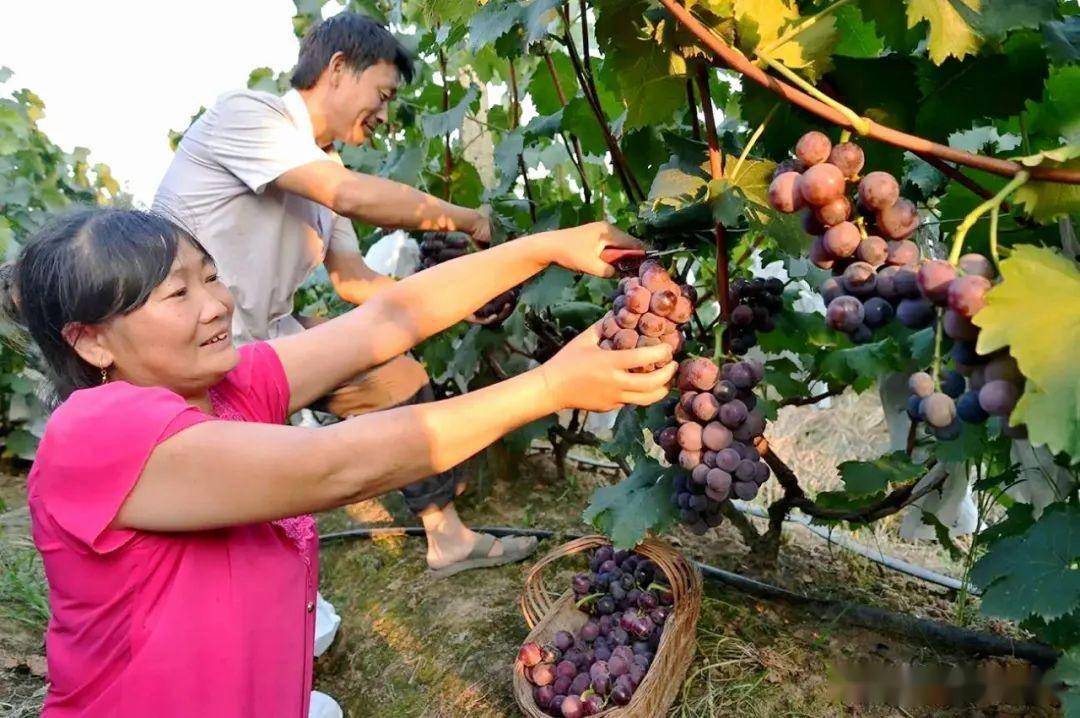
pixel 117 75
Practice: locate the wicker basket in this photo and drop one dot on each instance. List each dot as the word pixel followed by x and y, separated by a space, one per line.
pixel 665 677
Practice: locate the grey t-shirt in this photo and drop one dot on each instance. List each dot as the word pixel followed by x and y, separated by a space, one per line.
pixel 265 241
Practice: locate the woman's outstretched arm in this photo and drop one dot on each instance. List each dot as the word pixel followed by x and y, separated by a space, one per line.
pixel 403 315
pixel 221 473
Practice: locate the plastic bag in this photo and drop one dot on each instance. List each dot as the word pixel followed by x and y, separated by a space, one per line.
pixel 395 255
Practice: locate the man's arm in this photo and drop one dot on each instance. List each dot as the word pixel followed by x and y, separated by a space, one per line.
pixel 353 280
pixel 381 202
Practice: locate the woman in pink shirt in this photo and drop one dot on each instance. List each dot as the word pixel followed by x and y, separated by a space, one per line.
pixel 170 502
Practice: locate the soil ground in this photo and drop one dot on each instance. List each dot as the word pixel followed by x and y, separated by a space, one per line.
pixel 410 646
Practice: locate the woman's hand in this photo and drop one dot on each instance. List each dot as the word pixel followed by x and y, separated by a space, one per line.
pixel 584 376
pixel 578 248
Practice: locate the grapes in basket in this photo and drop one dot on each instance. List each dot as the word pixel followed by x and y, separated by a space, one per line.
pixel 601 665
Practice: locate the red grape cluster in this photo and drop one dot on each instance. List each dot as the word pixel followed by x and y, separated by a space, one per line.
pixel 866 242
pixel 648 309
pixel 603 663
pixel 713 435
pixel 980 386
pixel 439 247
pixel 754 302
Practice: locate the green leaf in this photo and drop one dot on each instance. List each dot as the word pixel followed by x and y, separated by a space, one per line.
pixel 949 33
pixel 1056 117
pixel 507 155
pixel 1063 40
pixel 446 122
pixel 492 22
pixel 865 478
pixel 626 434
pixel 992 86
pixel 996 18
pixel 538 15
pixel 554 286
pixel 1067 674
pixel 542 87
pixel 637 504
pixel 20 444
pixel 1035 573
pixel 858 36
pixel 1041 341
pixel 522 438
pixel 578 119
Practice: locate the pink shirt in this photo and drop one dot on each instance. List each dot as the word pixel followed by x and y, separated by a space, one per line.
pixel 214 624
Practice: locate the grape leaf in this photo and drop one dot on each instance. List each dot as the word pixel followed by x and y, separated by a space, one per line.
pixel 1042 342
pixel 865 478
pixel 949 34
pixel 446 122
pixel 542 87
pixel 1056 117
pixel 638 503
pixel 992 86
pixel 492 22
pixel 522 438
pixel 1067 673
pixel 1035 573
pixel 20 444
pixel 626 434
pixel 858 36
pixel 996 18
pixel 760 23
pixel 554 286
pixel 1063 40
pixel 1046 201
pixel 538 15
pixel 578 119
pixel 676 185
pixel 506 157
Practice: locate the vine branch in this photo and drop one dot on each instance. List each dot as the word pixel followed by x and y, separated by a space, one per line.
pixel 737 61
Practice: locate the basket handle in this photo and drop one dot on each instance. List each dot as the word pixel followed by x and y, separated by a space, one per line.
pixel 535 601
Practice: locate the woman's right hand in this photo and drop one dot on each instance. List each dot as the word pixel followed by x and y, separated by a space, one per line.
pixel 584 376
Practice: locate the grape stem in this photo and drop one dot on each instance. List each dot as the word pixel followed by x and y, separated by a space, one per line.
pixel 845 136
pixel 752 141
pixel 859 123
pixel 936 370
pixel 973 216
pixel 994 238
pixel 732 58
pixel 588 599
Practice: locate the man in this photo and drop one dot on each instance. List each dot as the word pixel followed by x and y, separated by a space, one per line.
pixel 258 181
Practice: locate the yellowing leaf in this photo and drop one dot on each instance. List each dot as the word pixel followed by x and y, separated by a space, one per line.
pixel 753 178
pixel 1035 311
pixel 950 35
pixel 761 22
pixel 1046 201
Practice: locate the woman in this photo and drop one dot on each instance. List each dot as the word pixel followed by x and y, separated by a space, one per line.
pixel 164 486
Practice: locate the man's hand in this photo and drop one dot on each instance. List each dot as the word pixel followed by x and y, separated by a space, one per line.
pixel 480 228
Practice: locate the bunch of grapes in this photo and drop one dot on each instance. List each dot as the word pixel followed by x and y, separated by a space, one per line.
pixel 603 663
pixel 866 242
pixel 714 433
pixel 648 309
pixel 439 247
pixel 754 302
pixel 979 386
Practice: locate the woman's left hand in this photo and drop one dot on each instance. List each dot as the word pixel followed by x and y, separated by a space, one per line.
pixel 578 248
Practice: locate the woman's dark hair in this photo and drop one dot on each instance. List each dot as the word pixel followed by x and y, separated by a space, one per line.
pixel 362 40
pixel 86 267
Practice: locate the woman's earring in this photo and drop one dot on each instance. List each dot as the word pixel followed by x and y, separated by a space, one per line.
pixel 104 375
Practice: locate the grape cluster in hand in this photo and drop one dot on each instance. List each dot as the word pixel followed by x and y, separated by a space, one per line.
pixel 863 237
pixel 648 309
pixel 603 663
pixel 714 431
pixel 439 247
pixel 979 386
pixel 754 302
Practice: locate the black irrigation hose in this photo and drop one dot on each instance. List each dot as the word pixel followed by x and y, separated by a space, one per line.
pixel 964 639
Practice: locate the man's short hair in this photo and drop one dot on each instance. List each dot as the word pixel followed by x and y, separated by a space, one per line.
pixel 362 40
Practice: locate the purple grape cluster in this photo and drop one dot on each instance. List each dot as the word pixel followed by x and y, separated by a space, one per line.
pixel 439 247
pixel 714 431
pixel 753 302
pixel 648 309
pixel 980 386
pixel 603 663
pixel 866 242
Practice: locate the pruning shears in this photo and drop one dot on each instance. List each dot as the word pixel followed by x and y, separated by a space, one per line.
pixel 628 260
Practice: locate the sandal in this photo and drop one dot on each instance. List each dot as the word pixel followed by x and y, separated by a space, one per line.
pixel 515 548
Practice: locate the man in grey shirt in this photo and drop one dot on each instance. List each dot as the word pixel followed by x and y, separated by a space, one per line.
pixel 257 180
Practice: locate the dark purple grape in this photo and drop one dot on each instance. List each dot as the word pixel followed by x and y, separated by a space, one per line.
pixel 845 314
pixel 605 605
pixel 969 409
pixel 556 705
pixel 745 490
pixel 593 704
pixel 543 695
pixel 733 413
pixel 590 631
pixel 998 397
pixel 580 684
pixel 725 391
pixel 915 313
pixel 950 432
pixel 952 383
pixel 914 404
pixel 582 584
pixel 727 459
pixel 878 312
pixel 564 640
pixel 621 695
pixel 567 668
